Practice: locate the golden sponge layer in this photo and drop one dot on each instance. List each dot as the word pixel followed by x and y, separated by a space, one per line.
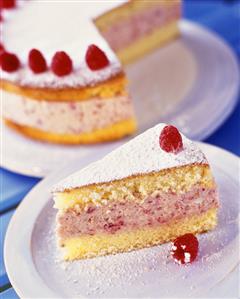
pixel 178 180
pixel 97 245
pixel 105 90
pixel 113 132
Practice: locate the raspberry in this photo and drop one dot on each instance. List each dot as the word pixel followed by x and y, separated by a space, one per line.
pixel 8 4
pixel 61 64
pixel 96 59
pixel 185 249
pixel 36 61
pixel 2 49
pixel 9 62
pixel 113 227
pixel 171 140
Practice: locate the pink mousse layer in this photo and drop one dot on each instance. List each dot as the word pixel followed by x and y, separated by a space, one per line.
pixel 157 209
pixel 123 33
pixel 67 117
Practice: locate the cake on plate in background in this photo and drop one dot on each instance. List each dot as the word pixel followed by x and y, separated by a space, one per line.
pixel 62 77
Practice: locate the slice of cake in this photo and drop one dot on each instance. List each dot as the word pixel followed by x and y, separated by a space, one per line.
pixel 63 81
pixel 152 189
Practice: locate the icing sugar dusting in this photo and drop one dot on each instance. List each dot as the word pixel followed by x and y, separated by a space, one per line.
pixel 68 26
pixel 79 78
pixel 139 156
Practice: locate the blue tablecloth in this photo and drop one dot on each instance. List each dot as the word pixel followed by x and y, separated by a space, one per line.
pixel 223 17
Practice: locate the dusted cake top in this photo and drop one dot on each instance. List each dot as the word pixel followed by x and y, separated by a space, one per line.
pixel 141 155
pixel 67 26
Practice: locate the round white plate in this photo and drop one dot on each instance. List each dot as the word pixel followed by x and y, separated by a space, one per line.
pixel 192 82
pixel 30 248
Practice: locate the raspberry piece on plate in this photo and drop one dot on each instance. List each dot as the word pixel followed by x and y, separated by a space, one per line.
pixel 61 64
pixel 185 249
pixel 2 49
pixel 9 62
pixel 171 140
pixel 96 59
pixel 36 61
pixel 8 4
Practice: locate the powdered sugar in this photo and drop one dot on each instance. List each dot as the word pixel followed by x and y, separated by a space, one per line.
pixel 116 270
pixel 139 156
pixel 79 78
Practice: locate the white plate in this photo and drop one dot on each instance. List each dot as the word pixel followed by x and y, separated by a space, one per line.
pixel 36 271
pixel 192 82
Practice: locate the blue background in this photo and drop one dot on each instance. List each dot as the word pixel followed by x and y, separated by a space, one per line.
pixel 222 17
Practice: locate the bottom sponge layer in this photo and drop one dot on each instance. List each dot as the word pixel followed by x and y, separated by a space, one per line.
pixel 103 244
pixel 113 132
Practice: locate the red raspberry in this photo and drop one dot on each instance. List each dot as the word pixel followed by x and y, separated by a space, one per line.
pixel 96 59
pixel 171 140
pixel 8 4
pixel 185 249
pixel 2 49
pixel 61 64
pixel 36 61
pixel 9 62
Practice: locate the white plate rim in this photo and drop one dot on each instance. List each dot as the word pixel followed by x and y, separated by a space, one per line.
pixel 15 242
pixel 226 108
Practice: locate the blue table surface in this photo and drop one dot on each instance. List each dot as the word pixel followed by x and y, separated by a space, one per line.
pixel 222 17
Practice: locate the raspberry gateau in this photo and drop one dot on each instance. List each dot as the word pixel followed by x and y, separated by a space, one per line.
pixel 154 188
pixel 61 74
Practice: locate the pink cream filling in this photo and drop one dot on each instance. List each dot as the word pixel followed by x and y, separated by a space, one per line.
pixel 67 117
pixel 155 210
pixel 124 33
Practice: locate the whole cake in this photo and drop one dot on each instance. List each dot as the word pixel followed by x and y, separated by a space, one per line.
pixel 154 188
pixel 61 74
